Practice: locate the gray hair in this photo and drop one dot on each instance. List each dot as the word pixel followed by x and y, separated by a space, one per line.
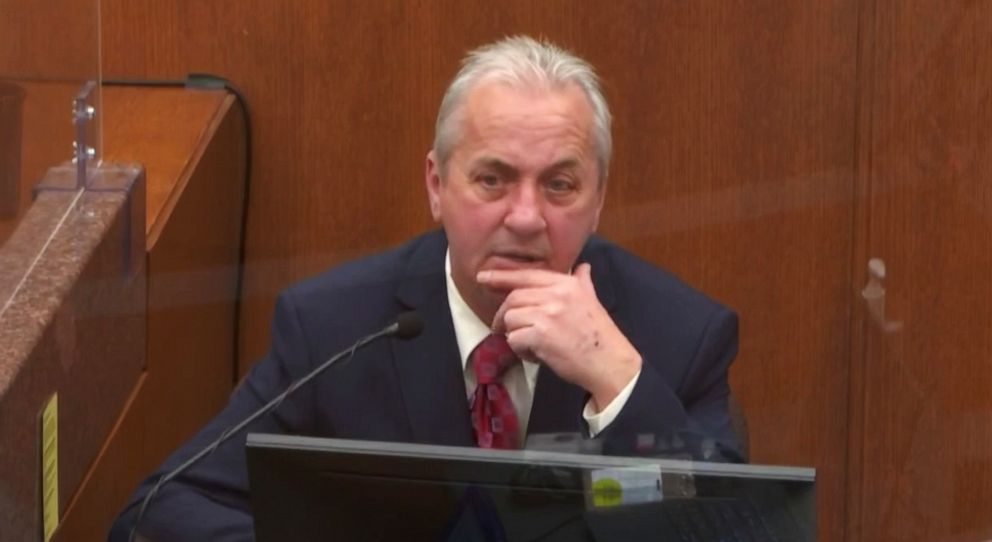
pixel 524 61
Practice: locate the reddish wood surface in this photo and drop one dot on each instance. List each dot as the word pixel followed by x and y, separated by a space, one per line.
pixel 46 137
pixel 56 40
pixel 926 446
pixel 51 48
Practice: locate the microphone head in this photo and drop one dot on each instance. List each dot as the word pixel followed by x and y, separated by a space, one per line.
pixel 408 325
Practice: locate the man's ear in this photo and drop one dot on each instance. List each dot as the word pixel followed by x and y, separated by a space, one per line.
pixel 432 180
pixel 599 205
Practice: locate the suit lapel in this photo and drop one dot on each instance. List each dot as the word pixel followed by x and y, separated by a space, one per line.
pixel 428 366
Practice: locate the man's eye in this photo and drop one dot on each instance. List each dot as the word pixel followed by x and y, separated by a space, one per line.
pixel 559 186
pixel 490 181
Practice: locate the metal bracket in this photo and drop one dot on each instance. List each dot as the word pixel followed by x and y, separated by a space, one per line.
pixel 82 116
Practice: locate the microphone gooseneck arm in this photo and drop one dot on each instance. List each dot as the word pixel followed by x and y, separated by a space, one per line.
pixel 407 326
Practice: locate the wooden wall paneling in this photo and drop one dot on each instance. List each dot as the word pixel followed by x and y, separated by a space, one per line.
pixel 11 111
pixel 55 40
pixel 193 268
pixel 50 73
pixel 927 440
pixel 45 141
pixel 861 323
pixel 735 137
pixel 335 96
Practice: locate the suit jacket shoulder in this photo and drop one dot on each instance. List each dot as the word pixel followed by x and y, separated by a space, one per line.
pixel 360 296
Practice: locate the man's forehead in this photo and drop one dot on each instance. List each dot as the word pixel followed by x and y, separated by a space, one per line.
pixel 499 98
pixel 496 111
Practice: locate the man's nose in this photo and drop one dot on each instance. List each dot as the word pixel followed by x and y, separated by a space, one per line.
pixel 525 215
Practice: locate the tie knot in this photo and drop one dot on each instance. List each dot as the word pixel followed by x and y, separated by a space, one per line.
pixel 492 358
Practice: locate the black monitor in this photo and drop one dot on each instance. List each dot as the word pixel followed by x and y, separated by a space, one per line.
pixel 305 488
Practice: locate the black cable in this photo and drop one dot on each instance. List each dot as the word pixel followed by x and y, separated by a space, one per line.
pixel 143 83
pixel 239 281
pixel 212 82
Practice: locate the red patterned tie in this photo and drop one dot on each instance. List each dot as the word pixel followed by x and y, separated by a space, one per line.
pixel 493 417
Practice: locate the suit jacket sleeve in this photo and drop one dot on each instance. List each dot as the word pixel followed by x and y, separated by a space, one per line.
pixel 696 412
pixel 210 500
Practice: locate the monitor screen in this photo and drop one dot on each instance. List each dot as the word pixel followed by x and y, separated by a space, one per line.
pixel 305 488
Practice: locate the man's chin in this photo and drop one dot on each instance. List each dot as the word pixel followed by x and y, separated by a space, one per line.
pixel 495 296
pixel 489 301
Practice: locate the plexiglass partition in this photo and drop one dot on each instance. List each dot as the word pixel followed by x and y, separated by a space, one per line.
pixel 733 170
pixel 49 117
pixel 833 188
pixel 822 169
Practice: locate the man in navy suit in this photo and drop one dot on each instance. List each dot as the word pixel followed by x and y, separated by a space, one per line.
pixel 609 346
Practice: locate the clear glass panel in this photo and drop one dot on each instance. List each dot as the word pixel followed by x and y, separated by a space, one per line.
pixel 819 168
pixel 733 170
pixel 49 56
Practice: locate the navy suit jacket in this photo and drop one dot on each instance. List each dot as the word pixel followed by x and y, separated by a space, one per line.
pixel 414 391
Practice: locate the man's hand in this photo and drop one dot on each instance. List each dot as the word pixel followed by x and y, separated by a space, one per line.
pixel 558 320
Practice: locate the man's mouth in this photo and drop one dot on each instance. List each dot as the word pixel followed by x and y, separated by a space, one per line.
pixel 516 259
pixel 525 258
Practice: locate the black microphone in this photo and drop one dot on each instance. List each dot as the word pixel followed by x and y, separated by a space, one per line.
pixel 407 326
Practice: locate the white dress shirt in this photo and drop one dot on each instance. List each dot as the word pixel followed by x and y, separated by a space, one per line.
pixel 521 379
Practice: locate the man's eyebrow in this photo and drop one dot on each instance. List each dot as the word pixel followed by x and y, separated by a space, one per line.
pixel 569 164
pixel 504 168
pixel 494 163
pixel 565 163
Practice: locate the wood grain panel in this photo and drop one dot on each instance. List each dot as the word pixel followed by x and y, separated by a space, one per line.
pixel 44 141
pixel 54 40
pixel 11 105
pixel 927 435
pixel 735 138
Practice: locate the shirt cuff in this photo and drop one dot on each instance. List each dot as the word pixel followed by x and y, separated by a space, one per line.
pixel 597 422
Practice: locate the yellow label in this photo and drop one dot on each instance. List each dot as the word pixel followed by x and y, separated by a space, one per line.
pixel 606 492
pixel 50 466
